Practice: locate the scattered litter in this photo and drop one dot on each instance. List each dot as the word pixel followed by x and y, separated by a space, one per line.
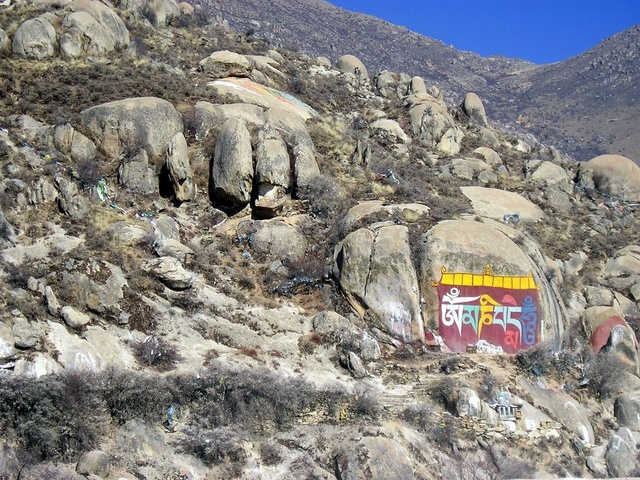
pixel 511 218
pixel 388 175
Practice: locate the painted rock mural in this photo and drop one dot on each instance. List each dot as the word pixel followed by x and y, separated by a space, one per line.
pixel 492 311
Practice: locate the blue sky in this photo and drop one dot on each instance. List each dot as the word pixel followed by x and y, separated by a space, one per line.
pixel 541 31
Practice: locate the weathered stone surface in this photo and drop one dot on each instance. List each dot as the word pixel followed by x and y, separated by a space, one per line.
pixel 387 459
pixel 35 38
pixel 136 174
pixel 209 116
pixel 95 462
pixel 275 237
pixel 7 342
pixel 25 333
pixel 548 173
pixel 627 410
pixel 598 296
pixel 161 12
pixel 169 271
pixel 75 352
pixel 373 266
pixel 468 168
pixel 472 106
pixel 430 121
pixel 352 362
pixel 615 175
pixel 352 64
pixel 389 131
pixel 468 403
pixel 82 149
pixel 408 212
pixel 495 203
pixel 69 200
pixel 53 306
pixel 179 169
pixel 128 234
pixel 167 247
pixel 347 335
pixel 621 453
pixel 563 409
pixel 273 166
pixel 97 297
pixel 92 28
pixel 449 144
pixel 232 166
pixel 468 246
pixel 490 156
pixel 224 63
pixel 133 123
pixel 5 43
pixel 73 317
pixel 243 90
pixel 37 366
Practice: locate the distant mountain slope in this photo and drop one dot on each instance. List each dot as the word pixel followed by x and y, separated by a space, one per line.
pixel 588 103
pixel 585 105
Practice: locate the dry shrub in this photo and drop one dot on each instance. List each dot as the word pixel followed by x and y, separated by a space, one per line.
pixel 156 352
pixel 605 372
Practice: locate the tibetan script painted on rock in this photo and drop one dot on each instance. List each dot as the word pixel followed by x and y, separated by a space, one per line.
pixel 488 310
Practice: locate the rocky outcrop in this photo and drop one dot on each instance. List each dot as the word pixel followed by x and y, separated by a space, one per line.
pixel 352 64
pixel 232 166
pixel 137 175
pixel 92 28
pixel 128 125
pixel 169 271
pixel 179 169
pixel 563 409
pixel 473 109
pixel 36 39
pixel 614 175
pixel 95 462
pixel 501 204
pixel 373 266
pixel 223 64
pixel 458 245
pixel 274 237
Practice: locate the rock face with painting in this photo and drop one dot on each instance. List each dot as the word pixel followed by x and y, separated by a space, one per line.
pixel 245 262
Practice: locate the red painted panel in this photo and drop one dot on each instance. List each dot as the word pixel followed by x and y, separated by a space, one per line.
pixel 601 334
pixel 502 317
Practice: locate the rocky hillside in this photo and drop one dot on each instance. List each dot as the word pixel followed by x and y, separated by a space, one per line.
pixel 584 106
pixel 220 259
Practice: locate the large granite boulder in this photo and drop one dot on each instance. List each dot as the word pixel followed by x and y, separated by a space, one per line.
pixel 373 266
pixel 225 64
pixel 562 408
pixel 621 453
pixel 352 64
pixel 74 352
pixel 36 39
pixel 627 410
pixel 95 462
pixel 232 166
pixel 479 265
pixel 169 271
pixel 179 169
pixel 134 123
pixel 614 175
pixel 243 90
pixel 137 175
pixel 92 28
pixel 209 116
pixel 500 204
pixel 275 237
pixel 474 109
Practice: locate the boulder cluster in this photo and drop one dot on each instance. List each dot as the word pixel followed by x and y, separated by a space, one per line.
pixel 233 226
